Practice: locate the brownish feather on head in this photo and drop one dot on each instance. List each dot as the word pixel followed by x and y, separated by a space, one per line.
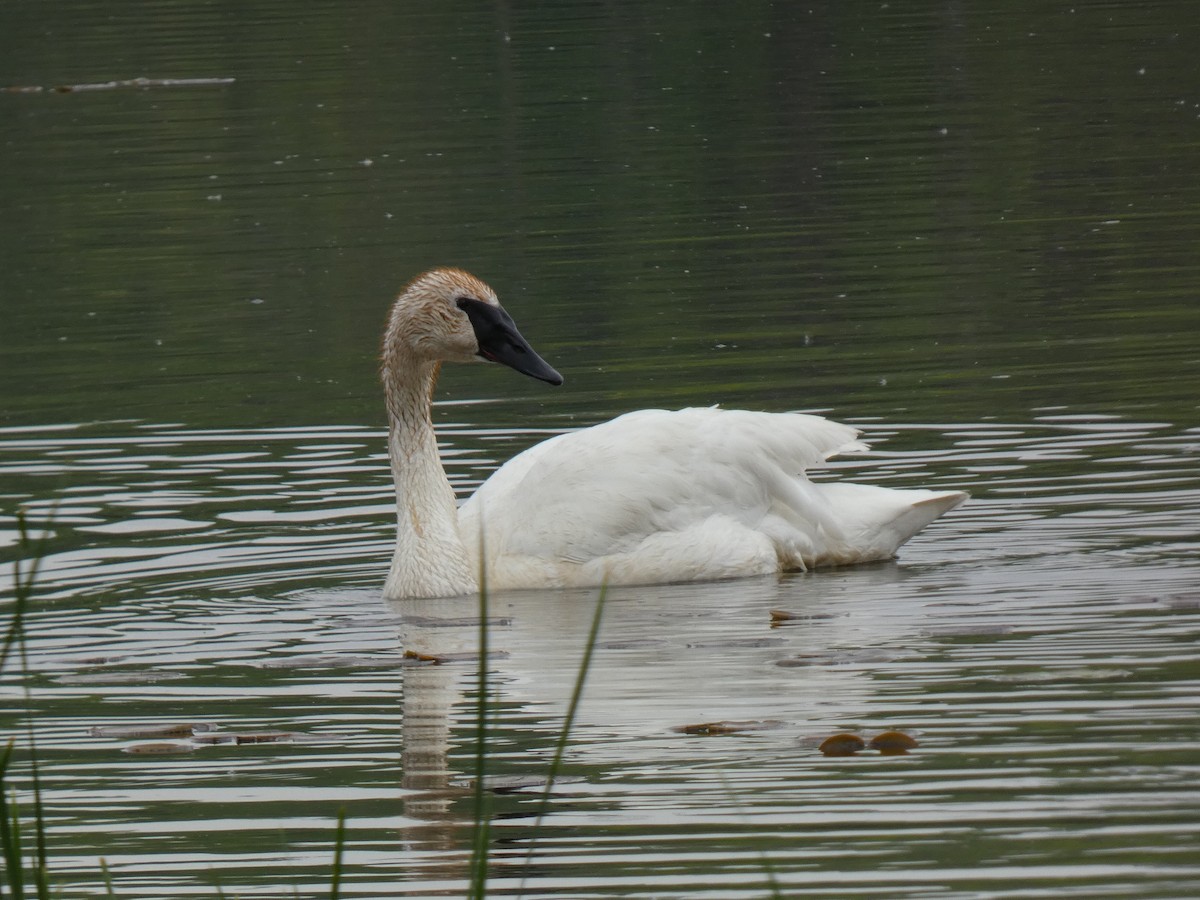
pixel 452 283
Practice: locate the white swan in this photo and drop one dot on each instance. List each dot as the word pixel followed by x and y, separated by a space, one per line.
pixel 651 496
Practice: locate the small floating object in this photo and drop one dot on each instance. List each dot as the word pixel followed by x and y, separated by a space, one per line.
pixel 148 730
pixel 246 737
pixel 783 617
pixel 892 743
pixel 160 747
pixel 142 83
pixel 842 745
pixel 439 659
pixel 729 727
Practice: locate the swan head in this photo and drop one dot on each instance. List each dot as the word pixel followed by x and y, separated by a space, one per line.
pixel 448 315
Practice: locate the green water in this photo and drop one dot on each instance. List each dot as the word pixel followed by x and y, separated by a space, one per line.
pixel 973 233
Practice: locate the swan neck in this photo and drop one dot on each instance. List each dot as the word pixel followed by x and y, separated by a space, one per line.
pixel 429 559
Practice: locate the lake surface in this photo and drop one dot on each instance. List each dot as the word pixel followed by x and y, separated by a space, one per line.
pixel 971 234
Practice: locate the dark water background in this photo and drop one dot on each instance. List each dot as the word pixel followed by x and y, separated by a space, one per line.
pixel 973 233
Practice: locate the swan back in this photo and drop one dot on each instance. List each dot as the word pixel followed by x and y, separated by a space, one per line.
pixel 691 494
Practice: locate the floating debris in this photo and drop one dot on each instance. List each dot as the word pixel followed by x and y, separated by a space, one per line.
pixel 729 727
pixel 783 617
pixel 888 743
pixel 140 83
pixel 147 730
pixel 160 747
pixel 842 745
pixel 892 743
pixel 246 737
pixel 439 659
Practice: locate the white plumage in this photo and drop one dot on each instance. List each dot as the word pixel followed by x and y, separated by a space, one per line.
pixel 651 496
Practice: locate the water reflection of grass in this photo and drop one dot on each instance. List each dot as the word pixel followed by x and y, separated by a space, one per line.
pixel 23 831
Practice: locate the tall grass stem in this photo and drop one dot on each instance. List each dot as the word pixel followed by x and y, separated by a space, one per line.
pixel 339 847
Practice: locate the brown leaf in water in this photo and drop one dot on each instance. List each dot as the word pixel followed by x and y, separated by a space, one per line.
pixel 892 743
pixel 842 745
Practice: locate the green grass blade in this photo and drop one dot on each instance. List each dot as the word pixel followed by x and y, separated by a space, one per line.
pixel 41 873
pixel 10 832
pixel 339 847
pixel 25 572
pixel 108 884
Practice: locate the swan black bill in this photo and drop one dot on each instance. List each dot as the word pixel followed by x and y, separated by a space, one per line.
pixel 499 341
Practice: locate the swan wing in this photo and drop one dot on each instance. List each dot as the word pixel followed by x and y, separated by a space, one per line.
pixel 660 495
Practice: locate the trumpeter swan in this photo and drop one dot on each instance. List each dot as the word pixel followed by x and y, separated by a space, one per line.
pixel 651 496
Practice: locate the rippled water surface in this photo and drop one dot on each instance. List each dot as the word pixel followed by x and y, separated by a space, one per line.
pixel 971 235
